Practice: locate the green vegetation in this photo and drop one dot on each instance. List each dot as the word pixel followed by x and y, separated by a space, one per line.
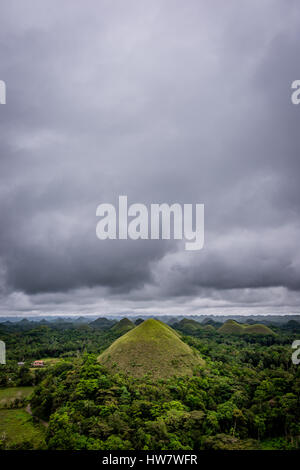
pixel 208 327
pixel 231 327
pixel 189 325
pixel 243 392
pixel 19 431
pixel 151 348
pixel 123 326
pixel 102 323
pixel 257 329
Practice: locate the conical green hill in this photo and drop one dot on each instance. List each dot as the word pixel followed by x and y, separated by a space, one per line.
pixel 151 348
pixel 123 326
pixel 231 327
pixel 258 329
pixel 234 328
pixel 189 325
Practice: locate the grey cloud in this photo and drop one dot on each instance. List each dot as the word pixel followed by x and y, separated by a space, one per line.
pixel 164 102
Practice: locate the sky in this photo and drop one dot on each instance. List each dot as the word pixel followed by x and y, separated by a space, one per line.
pixel 162 101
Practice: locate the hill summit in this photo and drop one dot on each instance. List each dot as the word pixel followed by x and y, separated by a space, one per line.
pixel 151 347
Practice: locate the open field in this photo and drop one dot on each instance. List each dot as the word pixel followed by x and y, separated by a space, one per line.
pixel 9 394
pixel 17 426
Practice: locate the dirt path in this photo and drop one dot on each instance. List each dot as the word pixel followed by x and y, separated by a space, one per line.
pixel 28 409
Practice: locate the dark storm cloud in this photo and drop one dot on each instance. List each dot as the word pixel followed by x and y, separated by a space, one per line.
pixel 165 102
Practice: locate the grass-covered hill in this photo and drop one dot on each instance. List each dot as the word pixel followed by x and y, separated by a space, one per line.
pixel 102 323
pixel 188 324
pixel 245 397
pixel 258 329
pixel 151 348
pixel 208 327
pixel 123 326
pixel 231 327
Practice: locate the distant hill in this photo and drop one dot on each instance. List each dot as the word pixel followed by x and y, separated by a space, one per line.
pixel 292 325
pixel 188 325
pixel 138 321
pixel 209 328
pixel 231 327
pixel 102 323
pixel 170 321
pixel 208 321
pixel 25 324
pixel 81 320
pixel 123 326
pixel 211 322
pixel 152 347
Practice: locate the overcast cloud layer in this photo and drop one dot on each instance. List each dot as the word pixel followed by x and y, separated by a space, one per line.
pixel 164 101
